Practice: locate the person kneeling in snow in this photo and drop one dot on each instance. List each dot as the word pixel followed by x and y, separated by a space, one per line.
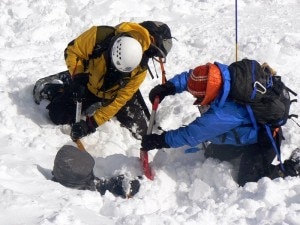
pixel 226 126
pixel 106 66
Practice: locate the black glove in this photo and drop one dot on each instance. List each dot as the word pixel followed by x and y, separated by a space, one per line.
pixel 83 128
pixel 153 141
pixel 162 91
pixel 78 86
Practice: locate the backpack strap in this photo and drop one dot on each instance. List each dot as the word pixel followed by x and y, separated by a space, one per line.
pixel 268 129
pixel 258 86
pixel 253 80
pixel 252 117
pixel 275 146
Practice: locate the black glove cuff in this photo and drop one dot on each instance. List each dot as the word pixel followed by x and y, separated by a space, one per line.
pixel 170 88
pixel 92 124
pixel 153 141
pixel 162 91
pixel 162 141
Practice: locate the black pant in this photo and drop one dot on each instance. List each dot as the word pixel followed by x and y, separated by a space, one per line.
pixel 253 161
pixel 62 110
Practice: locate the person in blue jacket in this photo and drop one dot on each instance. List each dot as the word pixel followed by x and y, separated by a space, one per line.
pixel 226 126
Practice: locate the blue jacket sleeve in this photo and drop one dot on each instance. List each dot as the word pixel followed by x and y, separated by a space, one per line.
pixel 180 81
pixel 212 125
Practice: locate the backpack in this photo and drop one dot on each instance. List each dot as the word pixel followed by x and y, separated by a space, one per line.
pixel 161 34
pixel 264 94
pixel 74 168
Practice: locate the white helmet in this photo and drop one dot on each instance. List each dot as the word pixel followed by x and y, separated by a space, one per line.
pixel 126 54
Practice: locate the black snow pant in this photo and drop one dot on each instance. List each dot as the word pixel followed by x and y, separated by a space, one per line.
pixel 62 110
pixel 252 161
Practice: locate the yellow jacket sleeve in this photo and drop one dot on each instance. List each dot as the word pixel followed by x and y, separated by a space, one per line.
pixel 103 114
pixel 79 50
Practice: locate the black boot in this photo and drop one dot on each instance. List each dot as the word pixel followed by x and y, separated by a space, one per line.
pixel 49 87
pixel 292 165
pixel 100 185
pixel 118 186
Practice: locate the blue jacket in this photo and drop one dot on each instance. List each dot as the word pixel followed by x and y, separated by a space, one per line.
pixel 219 124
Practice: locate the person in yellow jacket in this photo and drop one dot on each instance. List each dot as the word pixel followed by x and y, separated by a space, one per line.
pixel 106 66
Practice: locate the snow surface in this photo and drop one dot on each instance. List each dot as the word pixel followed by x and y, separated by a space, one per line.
pixel 188 189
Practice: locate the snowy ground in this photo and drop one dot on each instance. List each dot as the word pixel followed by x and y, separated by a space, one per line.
pixel 188 189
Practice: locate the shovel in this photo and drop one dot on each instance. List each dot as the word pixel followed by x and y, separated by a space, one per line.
pixel 144 154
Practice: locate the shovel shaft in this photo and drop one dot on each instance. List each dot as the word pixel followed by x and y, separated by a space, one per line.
pixel 77 119
pixel 78 111
pixel 153 114
pixel 80 145
pixel 145 164
pixel 144 154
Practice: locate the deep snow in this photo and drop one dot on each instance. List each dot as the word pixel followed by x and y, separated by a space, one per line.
pixel 187 189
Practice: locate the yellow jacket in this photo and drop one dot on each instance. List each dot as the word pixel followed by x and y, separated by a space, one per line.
pixel 78 60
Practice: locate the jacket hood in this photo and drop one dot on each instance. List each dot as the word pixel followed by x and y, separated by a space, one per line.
pixel 226 85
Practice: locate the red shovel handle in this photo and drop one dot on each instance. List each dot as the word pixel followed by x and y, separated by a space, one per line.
pixel 144 154
pixel 145 164
pixel 155 104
